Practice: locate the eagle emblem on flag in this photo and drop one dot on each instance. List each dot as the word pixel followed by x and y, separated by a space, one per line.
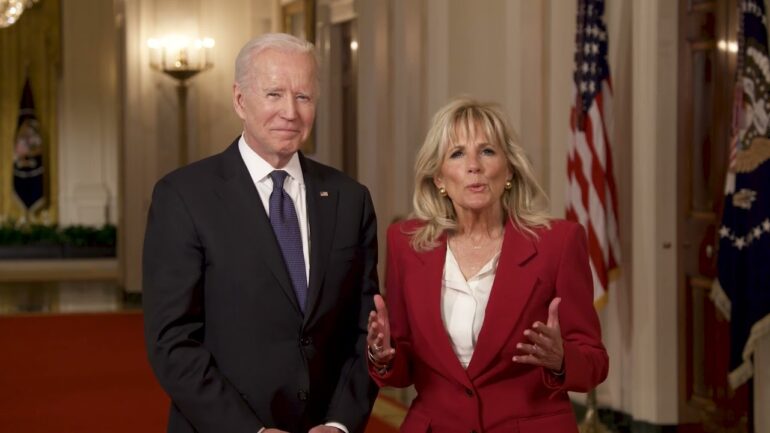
pixel 28 150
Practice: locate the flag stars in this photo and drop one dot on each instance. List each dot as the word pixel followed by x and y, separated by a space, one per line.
pixel 724 232
pixel 745 241
pixel 590 48
pixel 740 243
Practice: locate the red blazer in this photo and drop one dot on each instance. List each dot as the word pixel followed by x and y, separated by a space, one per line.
pixel 494 394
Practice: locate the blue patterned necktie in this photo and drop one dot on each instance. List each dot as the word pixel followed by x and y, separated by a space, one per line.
pixel 283 218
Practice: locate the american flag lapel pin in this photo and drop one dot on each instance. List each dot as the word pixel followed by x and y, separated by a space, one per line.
pixel 324 194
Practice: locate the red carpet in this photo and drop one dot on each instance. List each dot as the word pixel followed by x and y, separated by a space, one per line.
pixel 77 373
pixel 84 373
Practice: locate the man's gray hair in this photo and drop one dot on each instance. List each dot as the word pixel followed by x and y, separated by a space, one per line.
pixel 277 41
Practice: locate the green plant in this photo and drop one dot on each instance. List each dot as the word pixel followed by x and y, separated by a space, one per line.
pixel 12 233
pixel 80 235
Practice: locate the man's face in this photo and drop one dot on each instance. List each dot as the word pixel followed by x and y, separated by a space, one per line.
pixel 277 104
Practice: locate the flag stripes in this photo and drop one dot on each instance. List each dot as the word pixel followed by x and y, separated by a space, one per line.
pixel 592 193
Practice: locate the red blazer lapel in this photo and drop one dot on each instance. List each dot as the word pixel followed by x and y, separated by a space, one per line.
pixel 510 294
pixel 428 281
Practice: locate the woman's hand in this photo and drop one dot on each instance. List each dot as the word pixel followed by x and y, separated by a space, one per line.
pixel 378 336
pixel 545 347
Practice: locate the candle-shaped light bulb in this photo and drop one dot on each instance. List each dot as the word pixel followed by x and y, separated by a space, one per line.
pixel 183 61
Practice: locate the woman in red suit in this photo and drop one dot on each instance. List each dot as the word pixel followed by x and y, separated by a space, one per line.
pixel 489 301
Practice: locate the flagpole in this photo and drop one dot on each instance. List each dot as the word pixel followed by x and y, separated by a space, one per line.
pixel 591 422
pixel 181 91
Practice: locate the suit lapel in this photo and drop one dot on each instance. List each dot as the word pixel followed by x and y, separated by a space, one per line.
pixel 240 195
pixel 429 281
pixel 321 203
pixel 510 294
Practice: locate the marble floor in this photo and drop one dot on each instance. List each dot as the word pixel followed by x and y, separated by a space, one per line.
pixel 62 286
pixel 64 297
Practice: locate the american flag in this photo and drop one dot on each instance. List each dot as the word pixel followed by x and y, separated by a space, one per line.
pixel 591 193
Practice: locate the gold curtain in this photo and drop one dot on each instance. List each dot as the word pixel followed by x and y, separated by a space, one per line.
pixel 30 47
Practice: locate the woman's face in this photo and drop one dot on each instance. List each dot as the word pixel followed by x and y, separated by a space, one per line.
pixel 473 172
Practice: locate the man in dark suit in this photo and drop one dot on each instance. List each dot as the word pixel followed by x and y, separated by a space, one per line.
pixel 260 269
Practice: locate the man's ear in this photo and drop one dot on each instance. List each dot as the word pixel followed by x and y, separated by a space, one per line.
pixel 238 101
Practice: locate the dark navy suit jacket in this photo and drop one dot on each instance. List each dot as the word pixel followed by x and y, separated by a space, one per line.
pixel 224 333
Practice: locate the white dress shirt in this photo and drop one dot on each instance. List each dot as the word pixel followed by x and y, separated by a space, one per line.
pixel 294 184
pixel 463 303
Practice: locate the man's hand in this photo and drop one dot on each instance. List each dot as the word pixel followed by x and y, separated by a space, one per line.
pixel 273 430
pixel 324 429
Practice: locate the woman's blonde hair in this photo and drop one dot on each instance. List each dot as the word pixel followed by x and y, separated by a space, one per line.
pixel 524 203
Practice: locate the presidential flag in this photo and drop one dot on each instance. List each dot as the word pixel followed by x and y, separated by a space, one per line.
pixel 742 289
pixel 28 163
pixel 591 194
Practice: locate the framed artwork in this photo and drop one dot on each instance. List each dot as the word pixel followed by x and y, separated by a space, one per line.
pixel 298 19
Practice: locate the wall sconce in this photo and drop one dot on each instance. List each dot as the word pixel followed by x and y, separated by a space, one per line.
pixel 181 58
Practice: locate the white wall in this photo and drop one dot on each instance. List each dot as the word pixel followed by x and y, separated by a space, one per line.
pixel 492 51
pixel 88 115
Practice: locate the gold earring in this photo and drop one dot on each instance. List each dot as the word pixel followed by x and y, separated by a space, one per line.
pixel 442 191
pixel 508 185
